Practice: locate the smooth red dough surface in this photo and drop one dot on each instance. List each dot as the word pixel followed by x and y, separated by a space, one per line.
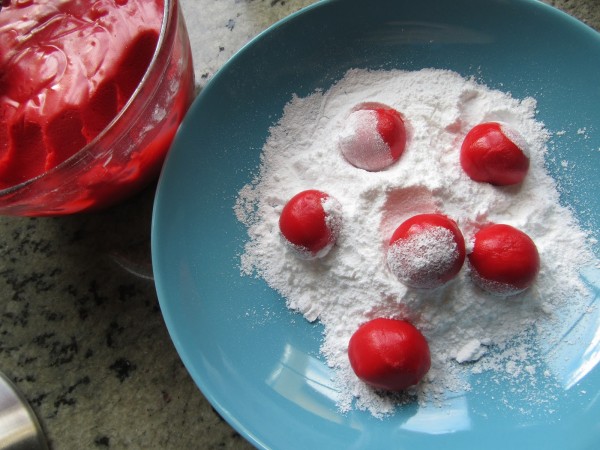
pixel 66 69
pixel 505 260
pixel 488 155
pixel 391 128
pixel 303 222
pixel 389 354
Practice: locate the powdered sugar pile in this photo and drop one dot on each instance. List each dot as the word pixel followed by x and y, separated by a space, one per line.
pixel 353 282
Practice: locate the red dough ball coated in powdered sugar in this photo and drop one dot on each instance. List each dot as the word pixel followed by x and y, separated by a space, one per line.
pixel 389 354
pixel 495 153
pixel 426 251
pixel 504 260
pixel 310 222
pixel 373 137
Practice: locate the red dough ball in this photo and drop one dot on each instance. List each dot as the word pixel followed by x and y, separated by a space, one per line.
pixel 389 354
pixel 426 251
pixel 493 152
pixel 310 223
pixel 504 260
pixel 373 137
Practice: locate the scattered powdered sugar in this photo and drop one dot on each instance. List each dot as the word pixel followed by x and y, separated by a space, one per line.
pixel 494 287
pixel 472 351
pixel 333 216
pixel 469 332
pixel 418 259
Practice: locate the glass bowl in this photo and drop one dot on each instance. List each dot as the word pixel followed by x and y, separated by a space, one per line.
pixel 128 153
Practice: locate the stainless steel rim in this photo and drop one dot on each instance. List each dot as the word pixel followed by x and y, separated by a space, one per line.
pixel 19 426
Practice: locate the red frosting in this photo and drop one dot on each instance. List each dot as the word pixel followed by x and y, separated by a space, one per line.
pixel 66 69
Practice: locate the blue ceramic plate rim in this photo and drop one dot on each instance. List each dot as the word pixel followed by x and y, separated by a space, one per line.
pixel 162 214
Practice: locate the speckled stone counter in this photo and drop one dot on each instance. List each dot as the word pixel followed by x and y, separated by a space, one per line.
pixel 81 333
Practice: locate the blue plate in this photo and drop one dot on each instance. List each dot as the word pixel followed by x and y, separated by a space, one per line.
pixel 259 363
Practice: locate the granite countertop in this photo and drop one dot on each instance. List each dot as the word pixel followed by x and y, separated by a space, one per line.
pixel 81 331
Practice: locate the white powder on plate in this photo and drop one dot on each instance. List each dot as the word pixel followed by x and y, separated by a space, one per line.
pixel 353 284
